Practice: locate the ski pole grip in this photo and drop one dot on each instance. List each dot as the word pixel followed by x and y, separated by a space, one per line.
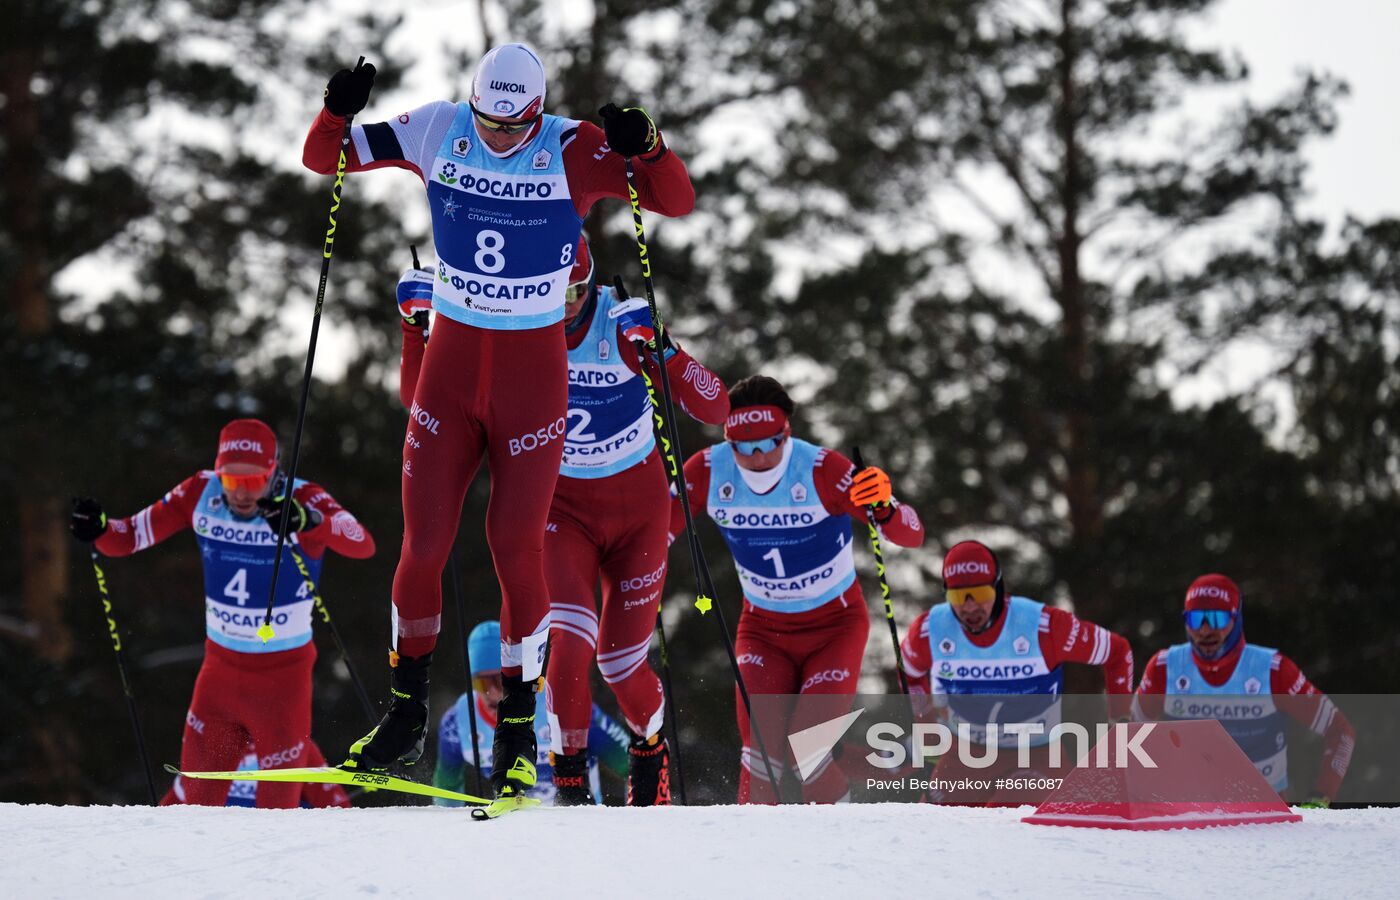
pixel 620 288
pixel 413 248
pixel 856 458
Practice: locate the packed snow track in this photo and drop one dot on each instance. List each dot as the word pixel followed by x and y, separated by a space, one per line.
pixel 881 850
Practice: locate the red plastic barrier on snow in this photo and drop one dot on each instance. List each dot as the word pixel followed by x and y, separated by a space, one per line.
pixel 1201 779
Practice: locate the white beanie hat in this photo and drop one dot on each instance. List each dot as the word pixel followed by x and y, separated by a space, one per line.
pixel 509 81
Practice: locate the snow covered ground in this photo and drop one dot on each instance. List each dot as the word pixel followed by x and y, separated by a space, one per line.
pixel 713 852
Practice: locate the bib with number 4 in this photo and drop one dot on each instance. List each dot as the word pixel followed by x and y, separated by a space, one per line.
pixel 237 555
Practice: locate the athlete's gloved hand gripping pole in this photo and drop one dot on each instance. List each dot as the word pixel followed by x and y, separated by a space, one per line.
pixel 346 94
pixel 871 488
pixel 88 523
pixel 639 336
pixel 622 125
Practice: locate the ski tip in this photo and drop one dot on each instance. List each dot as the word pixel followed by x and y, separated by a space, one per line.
pixel 498 808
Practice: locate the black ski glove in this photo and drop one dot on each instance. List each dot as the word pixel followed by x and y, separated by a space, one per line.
pixel 88 522
pixel 630 132
pixel 303 517
pixel 348 90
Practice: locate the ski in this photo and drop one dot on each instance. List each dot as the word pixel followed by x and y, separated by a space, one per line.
pixel 498 808
pixel 371 781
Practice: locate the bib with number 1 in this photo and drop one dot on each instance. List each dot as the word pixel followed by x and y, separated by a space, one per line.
pixel 790 553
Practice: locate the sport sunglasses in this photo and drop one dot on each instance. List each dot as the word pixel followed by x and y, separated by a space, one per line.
pixel 575 291
pixel 491 124
pixel 749 448
pixel 982 593
pixel 254 482
pixel 1215 618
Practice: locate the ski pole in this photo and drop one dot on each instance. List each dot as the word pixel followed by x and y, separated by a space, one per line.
pixel 658 426
pixel 884 585
pixel 671 450
pixel 121 669
pixel 466 648
pixel 325 613
pixel 265 630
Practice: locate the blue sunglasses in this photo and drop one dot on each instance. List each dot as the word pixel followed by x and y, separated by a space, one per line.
pixel 1215 618
pixel 749 448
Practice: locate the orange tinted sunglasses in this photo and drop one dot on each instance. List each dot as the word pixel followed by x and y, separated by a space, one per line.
pixel 982 593
pixel 254 482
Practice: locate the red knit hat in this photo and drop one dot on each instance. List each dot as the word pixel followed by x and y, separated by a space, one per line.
pixel 247 441
pixel 969 564
pixel 754 423
pixel 1213 592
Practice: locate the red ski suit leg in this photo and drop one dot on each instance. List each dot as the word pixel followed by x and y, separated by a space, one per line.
pixel 498 395
pixel 610 529
pixel 813 653
pixel 242 697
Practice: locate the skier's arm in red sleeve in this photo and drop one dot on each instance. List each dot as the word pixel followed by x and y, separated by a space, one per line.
pixel 415 343
pixel 321 151
pixel 409 141
pixel 918 661
pixel 1147 704
pixel 1064 637
pixel 697 484
pixel 700 392
pixel 594 172
pixel 167 516
pixel 339 529
pixel 833 479
pixel 1311 708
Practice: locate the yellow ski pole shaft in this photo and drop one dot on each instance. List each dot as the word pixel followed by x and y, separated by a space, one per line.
pixel 884 584
pixel 705 593
pixel 115 634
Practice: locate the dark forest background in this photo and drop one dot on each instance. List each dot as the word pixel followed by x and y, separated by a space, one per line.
pixel 980 239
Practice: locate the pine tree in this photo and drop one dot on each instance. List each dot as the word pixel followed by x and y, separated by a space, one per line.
pixel 982 236
pixel 155 233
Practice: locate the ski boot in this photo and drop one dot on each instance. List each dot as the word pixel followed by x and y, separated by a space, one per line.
pixel 648 772
pixel 400 735
pixel 514 750
pixel 571 779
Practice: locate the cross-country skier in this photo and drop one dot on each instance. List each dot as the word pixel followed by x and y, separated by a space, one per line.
pixel 1216 662
pixel 247 690
pixel 607 740
pixel 784 507
pixel 508 187
pixel 608 519
pixel 983 648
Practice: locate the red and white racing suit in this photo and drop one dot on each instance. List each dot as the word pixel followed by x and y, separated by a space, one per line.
pixel 247 691
pixel 811 651
pixel 495 392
